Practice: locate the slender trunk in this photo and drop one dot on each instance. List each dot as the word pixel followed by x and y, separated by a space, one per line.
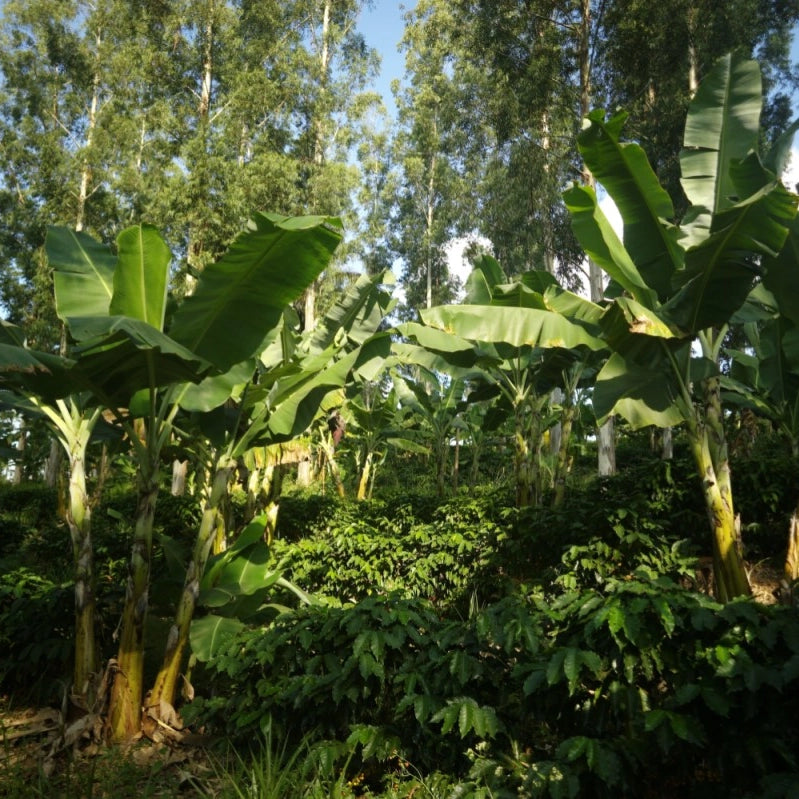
pixel 442 459
pixel 84 683
pixel 179 469
pixel 86 170
pixel 124 714
pixel 456 464
pixel 791 567
pixel 429 219
pixel 19 461
pixel 196 244
pixel 318 152
pixel 53 464
pixel 562 465
pixel 330 458
pixel 474 466
pixel 555 432
pixel 667 451
pixel 366 472
pixel 162 698
pixel 606 458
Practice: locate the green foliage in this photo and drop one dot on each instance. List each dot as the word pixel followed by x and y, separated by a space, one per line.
pixel 598 694
pixel 36 631
pixel 372 548
pixel 26 510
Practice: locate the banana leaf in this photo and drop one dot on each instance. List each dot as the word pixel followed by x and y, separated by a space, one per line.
pixel 241 297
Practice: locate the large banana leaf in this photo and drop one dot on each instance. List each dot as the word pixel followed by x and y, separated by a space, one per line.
pixel 240 298
pixel 642 396
pixel 517 295
pixel 43 374
pixel 83 273
pixel 486 274
pixel 141 276
pixel 602 245
pixel 297 401
pixel 637 333
pixel 120 356
pixel 722 125
pixel 215 390
pixel 782 274
pixel 576 308
pixel 645 206
pixel 357 315
pixel 518 327
pixel 456 349
pixel 721 269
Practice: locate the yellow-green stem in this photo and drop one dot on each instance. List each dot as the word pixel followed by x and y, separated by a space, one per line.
pixel 363 483
pixel 166 680
pixel 79 521
pixel 124 712
pixel 730 575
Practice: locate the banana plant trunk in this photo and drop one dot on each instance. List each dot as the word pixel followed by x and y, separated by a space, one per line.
pixel 125 702
pixel 791 568
pixel 162 697
pixel 523 462
pixel 335 473
pixel 84 683
pixel 366 472
pixel 728 566
pixel 562 464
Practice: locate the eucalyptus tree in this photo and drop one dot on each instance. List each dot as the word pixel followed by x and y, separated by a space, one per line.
pixel 651 57
pixel 432 186
pixel 522 120
pixel 334 67
pixel 676 286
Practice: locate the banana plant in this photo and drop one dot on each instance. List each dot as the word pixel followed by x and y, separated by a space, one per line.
pixel 141 373
pixel 38 384
pixel 528 336
pixel 375 424
pixel 678 286
pixel 294 375
pixel 765 377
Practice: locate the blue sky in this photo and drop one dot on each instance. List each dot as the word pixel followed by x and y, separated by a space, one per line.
pixel 382 27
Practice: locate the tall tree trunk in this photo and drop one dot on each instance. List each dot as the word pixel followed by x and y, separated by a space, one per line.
pixel 19 461
pixel 179 470
pixel 196 244
pixel 667 450
pixel 318 152
pixel 606 457
pixel 86 170
pixel 330 458
pixel 429 220
pixel 456 463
